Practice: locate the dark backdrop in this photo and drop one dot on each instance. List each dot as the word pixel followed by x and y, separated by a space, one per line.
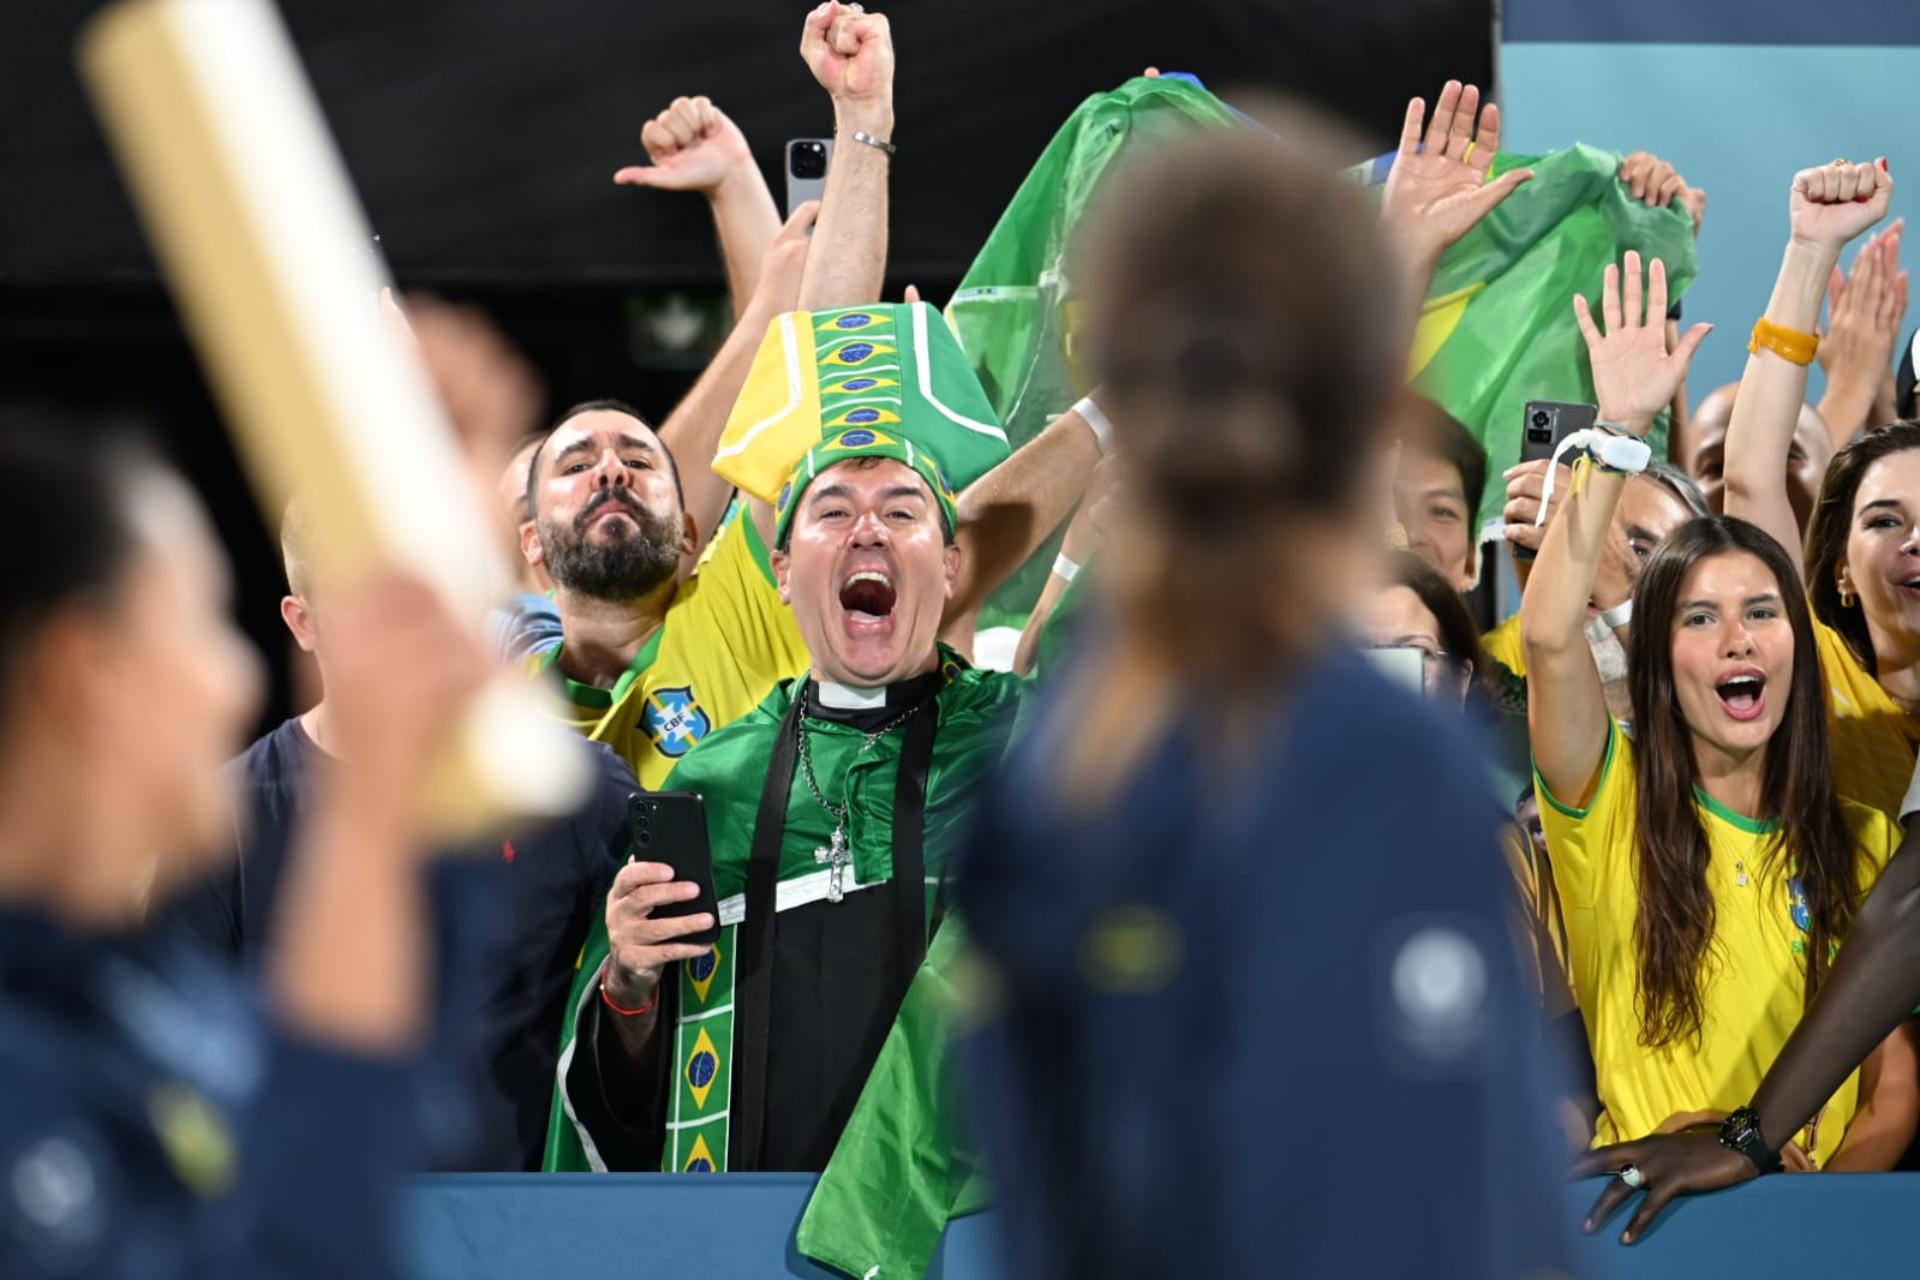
pixel 483 135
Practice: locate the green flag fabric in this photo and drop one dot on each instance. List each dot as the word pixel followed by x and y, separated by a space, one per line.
pixel 901 1172
pixel 1498 328
pixel 1012 308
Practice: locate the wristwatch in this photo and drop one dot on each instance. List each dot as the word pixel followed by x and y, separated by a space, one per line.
pixel 1740 1132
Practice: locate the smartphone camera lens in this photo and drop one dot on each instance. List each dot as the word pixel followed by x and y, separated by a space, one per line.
pixel 807 160
pixel 1541 420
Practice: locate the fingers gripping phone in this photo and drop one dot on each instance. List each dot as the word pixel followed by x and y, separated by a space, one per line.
pixel 1547 423
pixel 671 827
pixel 807 160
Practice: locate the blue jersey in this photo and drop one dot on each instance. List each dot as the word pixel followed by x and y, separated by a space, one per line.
pixel 510 917
pixel 1259 1014
pixel 154 1126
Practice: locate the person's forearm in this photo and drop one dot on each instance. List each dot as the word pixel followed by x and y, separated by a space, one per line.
pixel 1872 987
pixel 1006 514
pixel 1848 407
pixel 1028 650
pixel 1767 407
pixel 746 220
pixel 1553 610
pixel 350 970
pixel 692 431
pixel 847 264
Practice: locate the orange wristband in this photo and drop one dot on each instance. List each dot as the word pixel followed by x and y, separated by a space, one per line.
pixel 1788 344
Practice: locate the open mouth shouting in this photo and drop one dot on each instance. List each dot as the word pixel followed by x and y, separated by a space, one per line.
pixel 867 597
pixel 1743 693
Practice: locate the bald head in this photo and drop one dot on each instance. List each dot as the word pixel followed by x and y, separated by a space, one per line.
pixel 1807 458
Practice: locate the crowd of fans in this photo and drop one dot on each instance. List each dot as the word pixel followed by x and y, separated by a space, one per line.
pixel 1653 802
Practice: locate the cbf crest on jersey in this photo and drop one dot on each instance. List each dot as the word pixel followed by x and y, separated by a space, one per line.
pixel 894 368
pixel 674 720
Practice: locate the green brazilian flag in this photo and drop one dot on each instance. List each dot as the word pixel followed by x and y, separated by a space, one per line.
pixel 900 1171
pixel 1011 310
pixel 1498 327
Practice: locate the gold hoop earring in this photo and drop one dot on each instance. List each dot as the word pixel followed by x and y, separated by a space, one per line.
pixel 1846 598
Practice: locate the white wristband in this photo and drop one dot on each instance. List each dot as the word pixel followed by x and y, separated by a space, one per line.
pixel 1064 568
pixel 1102 428
pixel 1618 616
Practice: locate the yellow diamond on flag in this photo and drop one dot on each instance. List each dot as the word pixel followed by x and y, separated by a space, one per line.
pixel 854 354
pixel 700 1159
pixel 700 969
pixel 864 415
pixel 703 1068
pixel 852 321
pixel 857 440
pixel 858 385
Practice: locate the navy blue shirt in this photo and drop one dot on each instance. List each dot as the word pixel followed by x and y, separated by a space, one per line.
pixel 1262 1019
pixel 510 919
pixel 154 1126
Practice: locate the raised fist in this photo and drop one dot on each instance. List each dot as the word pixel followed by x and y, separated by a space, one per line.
pixel 693 146
pixel 850 53
pixel 1834 203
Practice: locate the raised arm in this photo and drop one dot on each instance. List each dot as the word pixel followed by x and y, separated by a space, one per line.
pixel 1085 533
pixel 1006 514
pixel 695 147
pixel 1865 314
pixel 851 55
pixel 692 431
pixel 1634 376
pixel 1438 187
pixel 1829 206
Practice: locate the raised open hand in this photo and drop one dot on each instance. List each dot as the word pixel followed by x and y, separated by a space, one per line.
pixel 850 53
pixel 1634 375
pixel 1438 188
pixel 1865 311
pixel 1834 203
pixel 693 146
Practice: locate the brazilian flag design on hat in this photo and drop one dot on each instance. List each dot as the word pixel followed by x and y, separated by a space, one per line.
pixel 892 368
pixel 860 442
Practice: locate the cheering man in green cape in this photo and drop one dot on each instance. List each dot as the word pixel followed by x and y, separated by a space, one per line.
pixel 831 810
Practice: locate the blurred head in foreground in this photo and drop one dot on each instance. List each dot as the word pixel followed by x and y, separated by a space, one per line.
pixel 1244 319
pixel 123 686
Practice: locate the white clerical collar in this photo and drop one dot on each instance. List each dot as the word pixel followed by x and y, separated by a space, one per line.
pixel 850 697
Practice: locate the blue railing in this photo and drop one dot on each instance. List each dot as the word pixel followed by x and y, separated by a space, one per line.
pixel 618 1227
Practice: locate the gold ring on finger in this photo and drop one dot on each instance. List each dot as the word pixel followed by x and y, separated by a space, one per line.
pixel 1842 163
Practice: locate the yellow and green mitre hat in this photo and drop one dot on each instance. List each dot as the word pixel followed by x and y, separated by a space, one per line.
pixel 861 442
pixel 891 368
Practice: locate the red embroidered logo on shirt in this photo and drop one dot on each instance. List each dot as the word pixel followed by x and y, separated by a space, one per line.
pixel 506 850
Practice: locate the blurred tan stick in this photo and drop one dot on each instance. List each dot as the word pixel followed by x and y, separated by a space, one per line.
pixel 264 245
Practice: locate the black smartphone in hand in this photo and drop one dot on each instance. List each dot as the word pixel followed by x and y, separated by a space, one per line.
pixel 1547 423
pixel 671 827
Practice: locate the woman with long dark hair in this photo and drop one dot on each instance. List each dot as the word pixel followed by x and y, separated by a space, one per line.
pixel 1862 558
pixel 1706 866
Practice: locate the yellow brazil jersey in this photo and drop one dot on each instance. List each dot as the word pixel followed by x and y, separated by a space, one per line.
pixel 1756 974
pixel 725 642
pixel 1502 644
pixel 1873 739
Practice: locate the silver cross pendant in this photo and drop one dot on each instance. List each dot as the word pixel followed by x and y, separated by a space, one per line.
pixel 835 858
